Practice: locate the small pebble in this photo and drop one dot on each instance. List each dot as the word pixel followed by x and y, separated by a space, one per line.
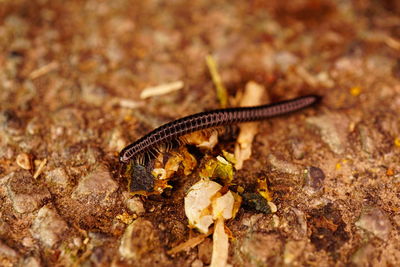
pixel 48 227
pixel 205 251
pixel 24 161
pixel 27 242
pixel 25 193
pixel 31 262
pixel 135 205
pixel 197 263
pixel 96 187
pixel 376 221
pixel 332 129
pixel 57 177
pixel 314 181
pixel 140 241
pixel 10 122
pixel 283 166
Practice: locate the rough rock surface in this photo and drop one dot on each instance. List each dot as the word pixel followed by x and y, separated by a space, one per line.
pixel 71 76
pixel 96 187
pixel 48 226
pixel 26 193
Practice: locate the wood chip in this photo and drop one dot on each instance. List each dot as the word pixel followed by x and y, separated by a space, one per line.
pixel 43 70
pixel 220 245
pixel 191 243
pixel 252 97
pixel 161 89
pixel 127 103
pixel 40 168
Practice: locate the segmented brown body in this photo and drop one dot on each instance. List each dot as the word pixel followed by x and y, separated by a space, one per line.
pixel 210 119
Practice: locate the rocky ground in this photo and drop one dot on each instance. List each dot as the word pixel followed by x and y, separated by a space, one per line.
pixel 70 83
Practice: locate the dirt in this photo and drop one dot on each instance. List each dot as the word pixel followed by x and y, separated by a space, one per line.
pixel 70 83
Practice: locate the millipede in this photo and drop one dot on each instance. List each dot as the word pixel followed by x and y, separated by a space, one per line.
pixel 210 119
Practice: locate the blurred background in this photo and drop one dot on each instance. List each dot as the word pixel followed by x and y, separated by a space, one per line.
pixel 71 78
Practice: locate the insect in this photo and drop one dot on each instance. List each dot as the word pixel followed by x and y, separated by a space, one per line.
pixel 166 133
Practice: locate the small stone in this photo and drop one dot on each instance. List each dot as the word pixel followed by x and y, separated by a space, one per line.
pixel 4 227
pixel 314 181
pixel 57 177
pixel 77 242
pixel 374 220
pixel 24 161
pixel 48 227
pixel 367 141
pixel 34 125
pixel 364 255
pixel 7 252
pixel 283 166
pixel 135 205
pixel 117 142
pixel 205 251
pixel 258 248
pixel 31 262
pixel 140 242
pixel 94 95
pixel 96 187
pixel 98 257
pixel 285 60
pixel 293 250
pixel 298 148
pixel 28 242
pixel 251 221
pixel 332 128
pixel 396 69
pixel 25 193
pixel 197 263
pixel 8 256
pixel 11 123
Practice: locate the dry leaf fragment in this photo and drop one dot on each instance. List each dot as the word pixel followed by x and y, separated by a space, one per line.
pixel 252 97
pixel 23 160
pixel 161 89
pixel 220 245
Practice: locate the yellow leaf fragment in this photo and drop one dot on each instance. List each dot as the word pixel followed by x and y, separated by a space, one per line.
pixel 229 156
pixel 236 204
pixel 397 141
pixel 355 91
pixel 263 190
pixel 173 164
pixel 189 161
pixel 203 139
pixel 218 168
pixel 338 166
pixel 224 170
pixel 126 218
pixel 208 170
pixel 222 93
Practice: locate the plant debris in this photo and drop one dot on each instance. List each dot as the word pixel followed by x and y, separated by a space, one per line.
pixel 252 97
pixel 161 89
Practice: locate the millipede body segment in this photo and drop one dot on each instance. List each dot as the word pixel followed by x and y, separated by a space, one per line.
pixel 209 119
